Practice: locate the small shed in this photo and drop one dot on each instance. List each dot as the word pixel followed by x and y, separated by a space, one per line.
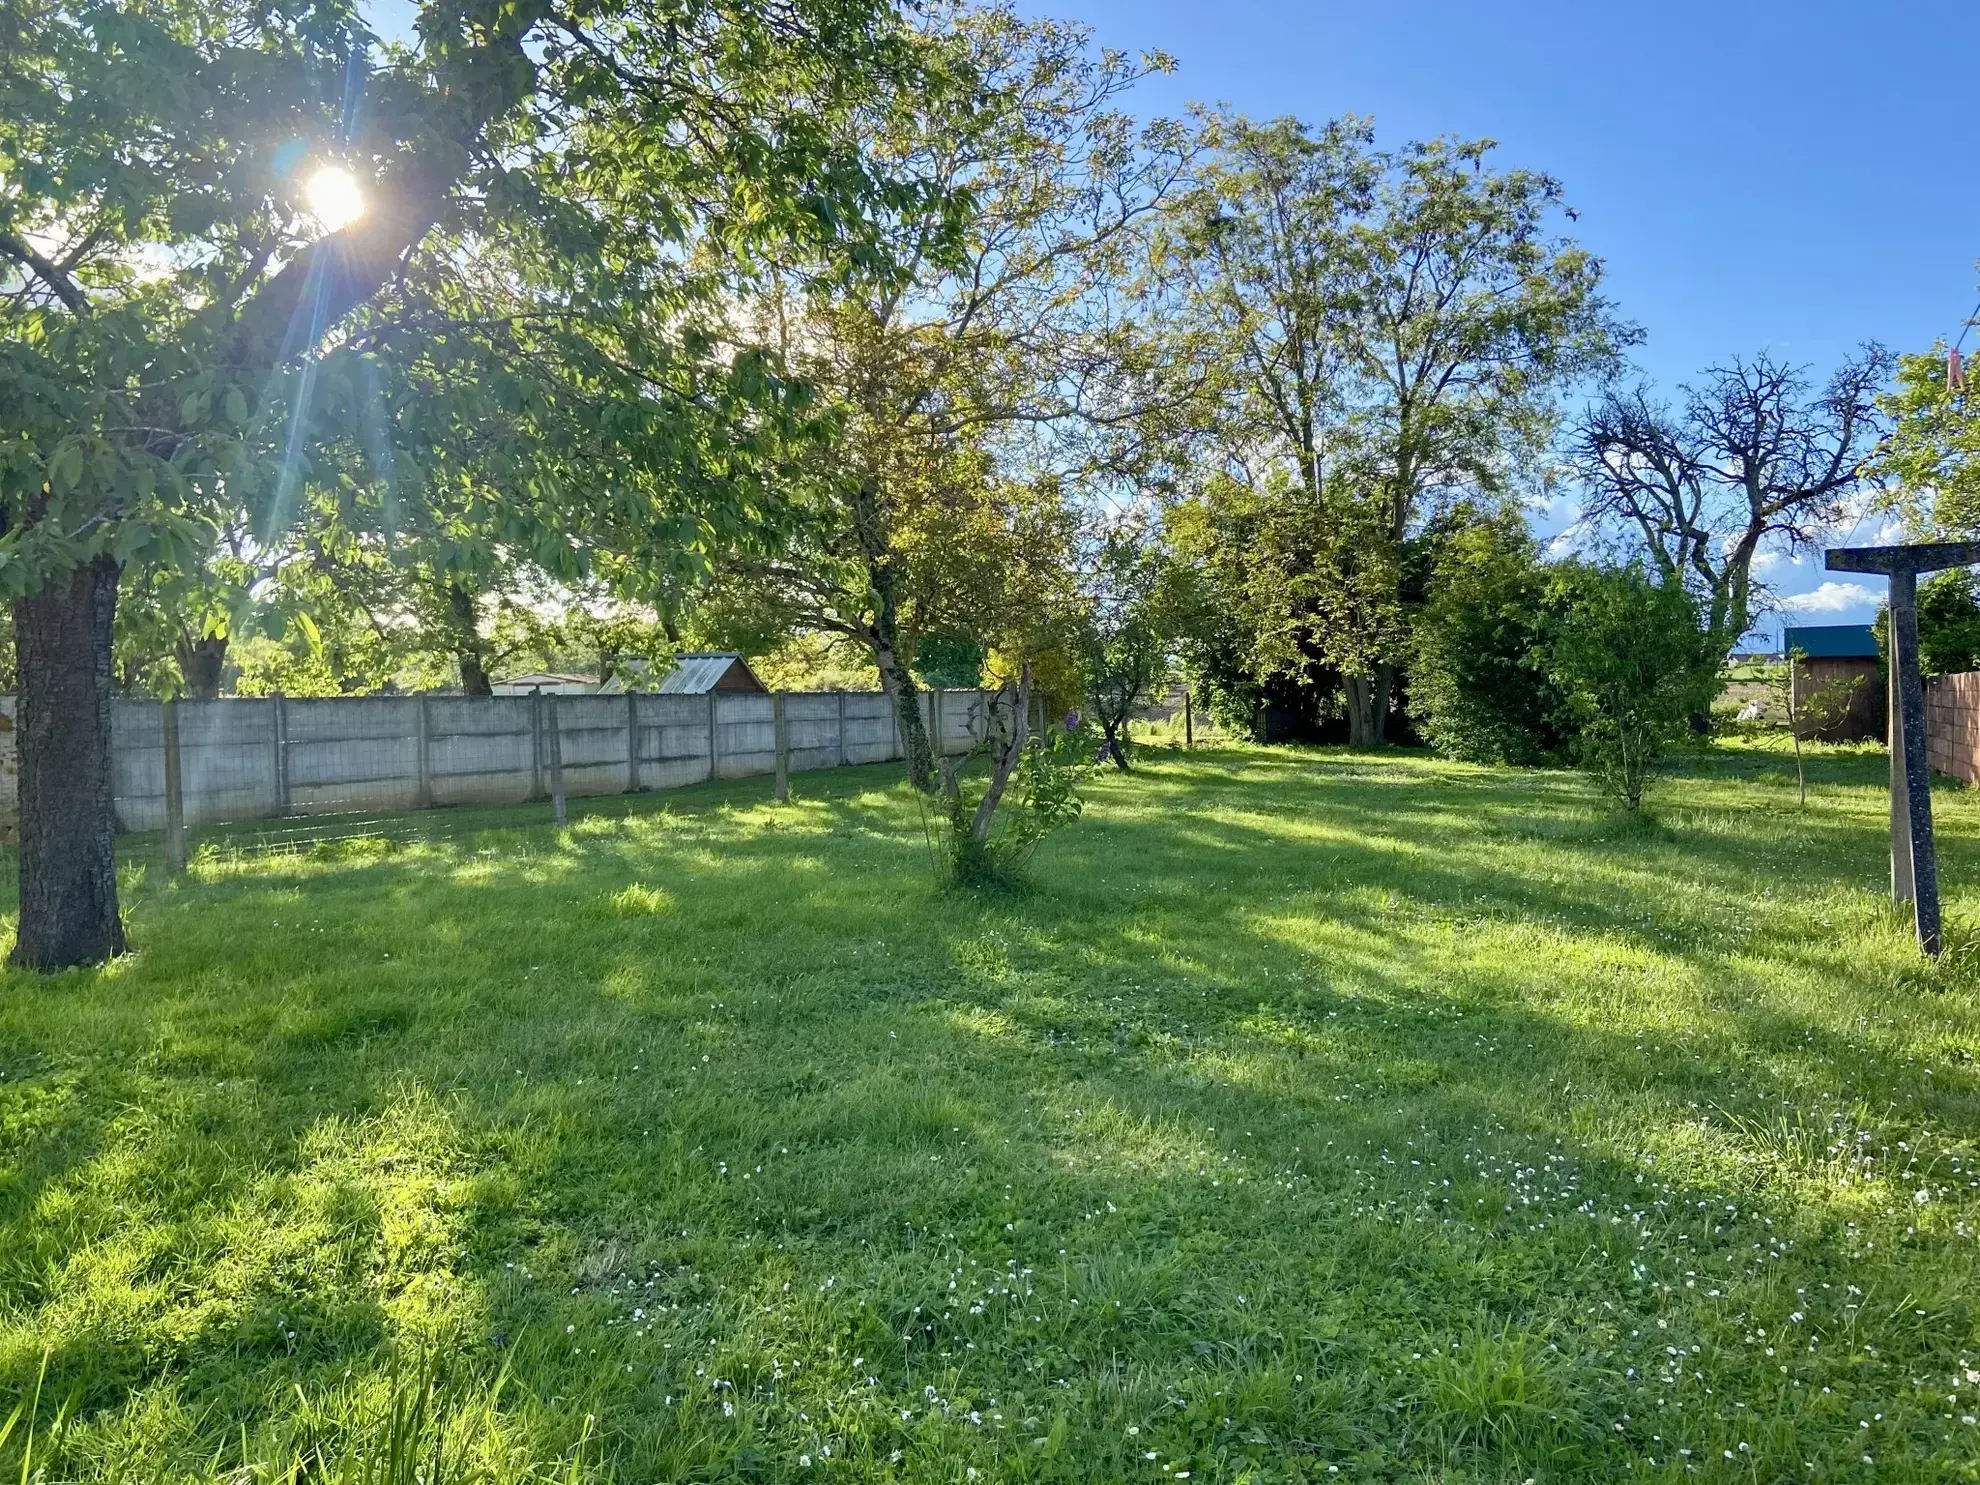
pixel 1833 658
pixel 698 674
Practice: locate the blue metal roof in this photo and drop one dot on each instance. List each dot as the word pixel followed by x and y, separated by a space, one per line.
pixel 1832 641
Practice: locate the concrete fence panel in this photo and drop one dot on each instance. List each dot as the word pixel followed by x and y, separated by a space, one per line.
pixel 340 759
pixel 747 731
pixel 811 729
pixel 674 732
pixel 870 733
pixel 264 758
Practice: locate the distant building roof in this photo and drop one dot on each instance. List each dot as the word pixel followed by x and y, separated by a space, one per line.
pixel 695 675
pixel 1831 641
pixel 546 681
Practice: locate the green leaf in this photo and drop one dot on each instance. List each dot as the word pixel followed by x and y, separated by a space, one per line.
pixel 65 469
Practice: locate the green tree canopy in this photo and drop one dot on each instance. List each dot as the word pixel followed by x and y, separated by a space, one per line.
pixel 187 335
pixel 1368 338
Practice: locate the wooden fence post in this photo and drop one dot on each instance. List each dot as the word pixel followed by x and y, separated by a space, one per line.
pixel 281 754
pixel 632 742
pixel 175 799
pixel 783 747
pixel 556 749
pixel 842 727
pixel 422 744
pixel 714 743
pixel 1189 721
pixel 935 723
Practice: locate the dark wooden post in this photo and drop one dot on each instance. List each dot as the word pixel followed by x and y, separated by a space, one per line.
pixel 842 727
pixel 1189 721
pixel 783 747
pixel 555 748
pixel 714 747
pixel 175 799
pixel 1914 865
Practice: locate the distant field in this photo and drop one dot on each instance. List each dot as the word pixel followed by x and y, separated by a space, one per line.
pixel 1314 1117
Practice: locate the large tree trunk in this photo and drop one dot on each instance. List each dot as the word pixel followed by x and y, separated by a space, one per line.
pixel 475 680
pixel 468 648
pixel 68 822
pixel 1368 706
pixel 899 684
pixel 884 640
pixel 200 663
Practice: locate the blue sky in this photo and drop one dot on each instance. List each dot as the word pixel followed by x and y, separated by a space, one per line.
pixel 1795 177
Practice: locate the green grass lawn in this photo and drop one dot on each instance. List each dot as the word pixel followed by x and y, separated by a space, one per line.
pixel 1313 1117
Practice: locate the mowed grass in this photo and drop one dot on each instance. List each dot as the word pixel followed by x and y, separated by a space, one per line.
pixel 1313 1117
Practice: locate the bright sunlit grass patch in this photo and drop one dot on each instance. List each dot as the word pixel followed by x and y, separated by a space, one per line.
pixel 1309 1117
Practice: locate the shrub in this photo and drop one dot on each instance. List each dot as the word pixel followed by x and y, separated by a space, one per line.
pixel 1479 689
pixel 989 824
pixel 1635 665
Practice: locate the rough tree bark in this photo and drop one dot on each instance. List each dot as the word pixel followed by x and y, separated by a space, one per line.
pixel 883 637
pixel 1008 752
pixel 1115 733
pixel 899 684
pixel 1368 700
pixel 200 663
pixel 68 821
pixel 468 648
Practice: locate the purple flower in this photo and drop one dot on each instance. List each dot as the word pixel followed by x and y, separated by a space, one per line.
pixel 1072 720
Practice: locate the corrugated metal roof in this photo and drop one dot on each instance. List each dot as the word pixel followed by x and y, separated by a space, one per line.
pixel 694 675
pixel 1832 641
pixel 546 681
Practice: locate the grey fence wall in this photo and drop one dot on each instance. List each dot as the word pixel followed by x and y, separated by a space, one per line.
pixel 260 759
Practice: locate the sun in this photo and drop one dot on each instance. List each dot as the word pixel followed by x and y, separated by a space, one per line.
pixel 334 198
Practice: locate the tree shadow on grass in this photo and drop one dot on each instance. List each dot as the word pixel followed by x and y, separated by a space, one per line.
pixel 787 1061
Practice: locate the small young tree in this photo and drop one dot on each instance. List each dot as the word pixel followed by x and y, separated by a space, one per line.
pixel 1033 780
pixel 1808 709
pixel 1125 635
pixel 1635 664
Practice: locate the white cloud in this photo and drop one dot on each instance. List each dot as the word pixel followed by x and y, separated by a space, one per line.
pixel 1832 598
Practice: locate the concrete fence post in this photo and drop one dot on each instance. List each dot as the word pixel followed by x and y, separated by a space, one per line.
pixel 555 747
pixel 281 754
pixel 714 746
pixel 842 728
pixel 422 747
pixel 536 743
pixel 783 747
pixel 175 799
pixel 632 742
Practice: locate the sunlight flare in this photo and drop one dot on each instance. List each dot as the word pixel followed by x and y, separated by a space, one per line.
pixel 334 198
